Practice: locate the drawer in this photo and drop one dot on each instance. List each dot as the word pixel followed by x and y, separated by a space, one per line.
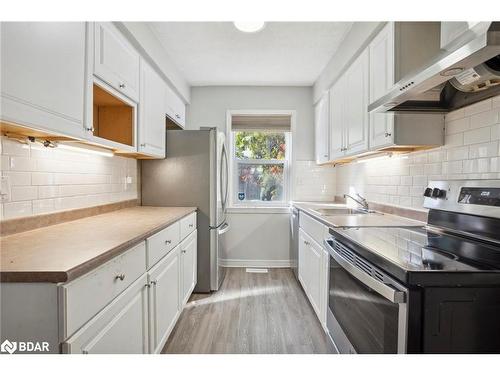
pixel 188 225
pixel 121 327
pixel 315 229
pixel 84 297
pixel 161 243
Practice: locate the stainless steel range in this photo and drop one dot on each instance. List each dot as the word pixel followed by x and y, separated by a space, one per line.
pixel 434 289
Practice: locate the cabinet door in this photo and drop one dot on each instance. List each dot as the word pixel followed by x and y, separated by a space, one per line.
pixel 321 129
pixel 151 112
pixel 175 108
pixel 188 266
pixel 164 301
pixel 315 272
pixel 381 82
pixel 121 328
pixel 303 267
pixel 115 61
pixel 356 105
pixel 43 75
pixel 337 121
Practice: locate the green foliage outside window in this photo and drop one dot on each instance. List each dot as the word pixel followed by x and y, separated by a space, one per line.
pixel 260 145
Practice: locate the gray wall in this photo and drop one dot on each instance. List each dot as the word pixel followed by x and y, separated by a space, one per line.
pixel 256 239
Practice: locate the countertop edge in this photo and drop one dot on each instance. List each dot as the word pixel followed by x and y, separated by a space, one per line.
pixel 301 206
pixel 83 268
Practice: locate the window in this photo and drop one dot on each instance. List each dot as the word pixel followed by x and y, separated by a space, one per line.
pixel 260 159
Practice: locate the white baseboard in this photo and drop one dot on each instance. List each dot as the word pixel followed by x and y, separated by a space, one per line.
pixel 286 263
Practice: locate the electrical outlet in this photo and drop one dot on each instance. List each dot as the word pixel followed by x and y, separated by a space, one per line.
pixel 4 189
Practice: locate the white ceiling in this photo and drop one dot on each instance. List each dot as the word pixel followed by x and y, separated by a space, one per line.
pixel 283 53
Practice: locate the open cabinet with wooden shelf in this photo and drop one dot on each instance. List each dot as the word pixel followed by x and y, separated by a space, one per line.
pixel 113 118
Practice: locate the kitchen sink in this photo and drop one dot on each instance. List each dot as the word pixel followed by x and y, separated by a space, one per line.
pixel 339 211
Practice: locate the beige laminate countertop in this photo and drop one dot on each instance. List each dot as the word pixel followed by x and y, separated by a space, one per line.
pixel 62 252
pixel 375 219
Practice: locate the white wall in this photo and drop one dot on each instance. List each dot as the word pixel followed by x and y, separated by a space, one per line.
pixel 262 239
pixel 471 151
pixel 46 180
pixel 355 41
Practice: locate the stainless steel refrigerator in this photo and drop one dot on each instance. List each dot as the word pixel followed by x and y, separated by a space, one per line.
pixel 194 173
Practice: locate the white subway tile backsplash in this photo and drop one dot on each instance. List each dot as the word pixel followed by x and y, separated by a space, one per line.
pixel 14 148
pixel 23 193
pixel 471 151
pixel 477 136
pixel 482 119
pixel 18 178
pixel 478 107
pixel 17 209
pixel 458 153
pixel 22 163
pixel 46 180
pixel 457 126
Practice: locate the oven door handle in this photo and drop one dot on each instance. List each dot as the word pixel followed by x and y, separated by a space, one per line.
pixel 385 290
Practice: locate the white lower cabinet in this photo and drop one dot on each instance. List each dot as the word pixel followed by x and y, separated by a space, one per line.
pixel 122 327
pixel 164 299
pixel 313 268
pixel 189 248
pixel 125 306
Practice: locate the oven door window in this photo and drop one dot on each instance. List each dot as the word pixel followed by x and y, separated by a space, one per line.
pixel 369 321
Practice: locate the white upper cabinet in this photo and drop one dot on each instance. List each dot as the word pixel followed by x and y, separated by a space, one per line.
pixel 321 129
pixel 381 81
pixel 175 107
pixel 356 113
pixel 349 111
pixel 115 60
pixel 151 132
pixel 43 75
pixel 336 120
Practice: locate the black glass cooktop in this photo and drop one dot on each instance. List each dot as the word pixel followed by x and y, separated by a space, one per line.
pixel 403 251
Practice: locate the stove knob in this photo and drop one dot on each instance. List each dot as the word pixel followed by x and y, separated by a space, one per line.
pixel 438 193
pixel 427 192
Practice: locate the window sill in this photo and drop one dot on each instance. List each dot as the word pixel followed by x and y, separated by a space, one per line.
pixel 258 210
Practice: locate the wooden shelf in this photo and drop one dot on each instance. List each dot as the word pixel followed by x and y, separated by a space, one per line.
pixel 113 119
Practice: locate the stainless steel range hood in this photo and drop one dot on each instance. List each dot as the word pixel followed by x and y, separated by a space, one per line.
pixel 447 82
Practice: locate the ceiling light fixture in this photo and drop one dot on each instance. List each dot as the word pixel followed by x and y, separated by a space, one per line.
pixel 249 26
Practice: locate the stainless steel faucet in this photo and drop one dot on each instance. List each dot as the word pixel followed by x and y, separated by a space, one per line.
pixel 360 200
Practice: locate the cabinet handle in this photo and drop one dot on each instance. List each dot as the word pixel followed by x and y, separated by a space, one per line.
pixel 90 129
pixel 142 145
pixel 183 251
pixel 190 225
pixel 120 276
pixel 325 156
pixel 168 242
pixel 307 243
pixel 122 85
pixel 387 135
pixel 153 282
pixel 177 116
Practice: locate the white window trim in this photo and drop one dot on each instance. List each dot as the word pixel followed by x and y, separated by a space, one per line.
pixel 289 173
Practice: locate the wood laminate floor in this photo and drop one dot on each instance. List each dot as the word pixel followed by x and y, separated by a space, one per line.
pixel 251 313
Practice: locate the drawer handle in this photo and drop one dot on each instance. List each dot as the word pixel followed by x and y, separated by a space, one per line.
pixel 183 251
pixel 190 225
pixel 387 135
pixel 176 115
pixel 122 85
pixel 168 241
pixel 120 276
pixel 307 242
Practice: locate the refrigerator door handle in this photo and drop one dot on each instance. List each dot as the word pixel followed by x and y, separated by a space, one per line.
pixel 224 171
pixel 224 228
